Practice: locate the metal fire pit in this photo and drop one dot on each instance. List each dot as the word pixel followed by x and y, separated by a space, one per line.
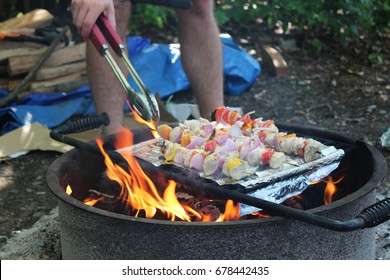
pixel 92 233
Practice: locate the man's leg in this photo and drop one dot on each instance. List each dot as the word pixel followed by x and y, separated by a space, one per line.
pixel 108 93
pixel 202 54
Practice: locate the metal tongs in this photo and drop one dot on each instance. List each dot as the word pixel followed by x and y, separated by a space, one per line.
pixel 144 103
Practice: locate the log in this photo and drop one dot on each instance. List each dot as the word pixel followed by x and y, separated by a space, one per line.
pixel 33 19
pixel 18 65
pixel 59 71
pixel 12 45
pixel 62 84
pixel 13 84
pixel 23 30
pixel 67 55
pixel 21 51
pixel 22 64
pixel 25 83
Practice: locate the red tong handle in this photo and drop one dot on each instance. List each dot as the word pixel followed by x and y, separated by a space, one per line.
pixel 98 40
pixel 111 35
pixel 103 30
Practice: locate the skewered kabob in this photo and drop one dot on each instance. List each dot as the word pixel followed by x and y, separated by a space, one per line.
pixel 232 145
pixel 290 144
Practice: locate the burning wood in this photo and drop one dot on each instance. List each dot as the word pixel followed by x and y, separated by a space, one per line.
pixel 200 209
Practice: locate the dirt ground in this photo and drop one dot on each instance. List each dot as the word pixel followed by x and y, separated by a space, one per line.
pixel 339 90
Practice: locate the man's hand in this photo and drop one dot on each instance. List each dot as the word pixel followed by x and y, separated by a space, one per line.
pixel 86 12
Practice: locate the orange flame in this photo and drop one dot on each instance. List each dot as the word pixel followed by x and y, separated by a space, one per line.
pixel 140 193
pixel 151 124
pixel 91 201
pixel 232 212
pixel 261 215
pixel 330 189
pixel 137 189
pixel 68 190
pixel 171 199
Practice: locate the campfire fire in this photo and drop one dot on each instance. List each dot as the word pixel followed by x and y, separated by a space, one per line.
pixel 330 188
pixel 139 196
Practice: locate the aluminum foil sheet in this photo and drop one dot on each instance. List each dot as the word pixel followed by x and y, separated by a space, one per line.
pixel 294 185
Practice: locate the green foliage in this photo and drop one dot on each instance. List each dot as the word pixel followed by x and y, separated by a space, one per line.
pixel 341 18
pixel 375 58
pixel 150 15
pixel 238 10
pixel 317 45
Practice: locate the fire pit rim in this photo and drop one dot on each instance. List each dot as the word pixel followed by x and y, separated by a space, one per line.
pixel 380 170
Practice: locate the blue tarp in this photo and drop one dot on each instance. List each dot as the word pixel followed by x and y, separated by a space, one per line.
pixel 158 65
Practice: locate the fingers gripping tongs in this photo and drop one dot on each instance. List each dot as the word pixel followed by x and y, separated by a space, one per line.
pixel 144 103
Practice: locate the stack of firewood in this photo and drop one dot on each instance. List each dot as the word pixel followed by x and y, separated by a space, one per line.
pixel 64 69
